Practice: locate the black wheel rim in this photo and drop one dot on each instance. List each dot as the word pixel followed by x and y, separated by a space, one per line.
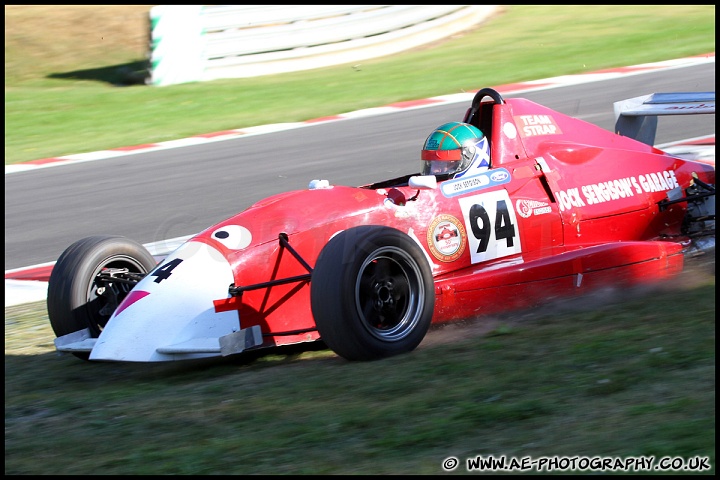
pixel 389 294
pixel 102 297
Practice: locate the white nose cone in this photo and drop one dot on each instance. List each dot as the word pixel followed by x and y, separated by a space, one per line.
pixel 170 314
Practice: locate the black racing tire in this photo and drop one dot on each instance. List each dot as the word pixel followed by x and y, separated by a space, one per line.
pixel 372 293
pixel 73 302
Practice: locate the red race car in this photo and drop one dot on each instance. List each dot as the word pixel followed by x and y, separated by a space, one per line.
pixel 515 204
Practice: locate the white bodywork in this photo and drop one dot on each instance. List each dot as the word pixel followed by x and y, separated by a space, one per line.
pixel 158 321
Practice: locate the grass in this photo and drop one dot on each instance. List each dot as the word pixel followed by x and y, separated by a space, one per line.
pixel 584 378
pixel 64 92
pixel 615 377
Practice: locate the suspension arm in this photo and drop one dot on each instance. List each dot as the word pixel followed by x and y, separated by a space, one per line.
pixel 284 243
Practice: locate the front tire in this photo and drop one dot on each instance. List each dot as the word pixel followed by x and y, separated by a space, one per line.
pixel 76 299
pixel 372 293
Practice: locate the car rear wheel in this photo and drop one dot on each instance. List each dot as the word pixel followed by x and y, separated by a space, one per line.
pixel 372 293
pixel 90 279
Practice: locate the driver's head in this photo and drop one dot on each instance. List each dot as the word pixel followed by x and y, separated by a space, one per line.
pixel 452 148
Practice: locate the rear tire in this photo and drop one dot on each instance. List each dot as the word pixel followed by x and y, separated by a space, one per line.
pixel 74 300
pixel 372 293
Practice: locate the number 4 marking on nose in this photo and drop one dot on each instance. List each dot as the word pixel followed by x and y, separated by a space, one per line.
pixel 491 219
pixel 163 272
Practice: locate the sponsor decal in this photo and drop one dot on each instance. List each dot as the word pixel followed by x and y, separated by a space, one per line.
pixel 446 238
pixel 688 106
pixel 526 208
pixel 534 125
pixel 499 176
pixel 462 185
pixel 615 189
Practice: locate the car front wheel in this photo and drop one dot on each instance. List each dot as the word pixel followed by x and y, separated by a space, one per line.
pixel 90 279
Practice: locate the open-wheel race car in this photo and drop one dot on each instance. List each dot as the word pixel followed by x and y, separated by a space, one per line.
pixel 515 204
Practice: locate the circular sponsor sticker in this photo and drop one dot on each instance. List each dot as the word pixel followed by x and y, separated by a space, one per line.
pixel 446 238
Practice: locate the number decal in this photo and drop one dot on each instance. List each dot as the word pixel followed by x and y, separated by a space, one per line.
pixel 491 219
pixel 482 233
pixel 504 226
pixel 163 272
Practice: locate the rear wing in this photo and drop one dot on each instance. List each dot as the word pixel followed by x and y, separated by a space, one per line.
pixel 637 117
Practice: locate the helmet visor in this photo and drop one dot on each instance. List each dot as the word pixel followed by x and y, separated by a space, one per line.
pixel 439 167
pixel 440 162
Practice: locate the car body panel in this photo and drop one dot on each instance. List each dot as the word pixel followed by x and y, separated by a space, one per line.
pixel 566 207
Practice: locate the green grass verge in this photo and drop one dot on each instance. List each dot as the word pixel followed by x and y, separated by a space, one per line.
pixel 599 377
pixel 618 379
pixel 61 96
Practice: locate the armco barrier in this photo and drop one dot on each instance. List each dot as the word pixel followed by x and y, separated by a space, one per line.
pixel 190 43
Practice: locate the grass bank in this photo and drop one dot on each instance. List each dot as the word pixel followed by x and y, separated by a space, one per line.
pixel 602 377
pixel 611 377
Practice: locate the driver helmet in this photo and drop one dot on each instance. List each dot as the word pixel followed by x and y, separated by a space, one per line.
pixel 455 149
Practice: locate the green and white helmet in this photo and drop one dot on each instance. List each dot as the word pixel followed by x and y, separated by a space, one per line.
pixel 453 148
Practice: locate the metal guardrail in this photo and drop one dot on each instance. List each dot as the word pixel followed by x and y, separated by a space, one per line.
pixel 191 43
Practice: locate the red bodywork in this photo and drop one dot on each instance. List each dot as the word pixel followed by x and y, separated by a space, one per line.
pixel 566 206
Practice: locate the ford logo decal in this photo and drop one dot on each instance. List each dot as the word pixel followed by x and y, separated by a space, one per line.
pixel 499 176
